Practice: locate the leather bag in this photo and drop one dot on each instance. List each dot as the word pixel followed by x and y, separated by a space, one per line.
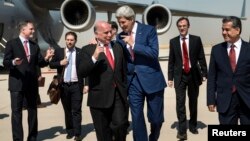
pixel 55 87
pixel 54 90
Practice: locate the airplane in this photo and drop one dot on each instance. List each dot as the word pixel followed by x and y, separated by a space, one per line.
pixel 51 16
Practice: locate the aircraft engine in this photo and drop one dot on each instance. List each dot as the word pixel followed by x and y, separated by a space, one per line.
pixel 77 15
pixel 159 16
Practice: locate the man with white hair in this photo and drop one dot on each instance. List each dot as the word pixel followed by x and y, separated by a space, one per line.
pixel 145 77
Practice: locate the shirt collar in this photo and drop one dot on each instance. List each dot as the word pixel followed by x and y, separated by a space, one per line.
pixel 237 44
pixel 186 37
pixel 23 39
pixel 73 49
pixel 134 28
pixel 102 44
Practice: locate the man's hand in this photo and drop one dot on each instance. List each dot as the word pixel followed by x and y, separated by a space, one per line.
pixel 18 61
pixel 211 108
pixel 128 39
pixel 98 50
pixel 64 62
pixel 85 89
pixel 49 53
pixel 40 78
pixel 170 84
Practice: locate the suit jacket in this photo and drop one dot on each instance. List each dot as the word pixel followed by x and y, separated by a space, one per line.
pixel 196 57
pixel 102 77
pixel 24 76
pixel 221 78
pixel 55 64
pixel 146 63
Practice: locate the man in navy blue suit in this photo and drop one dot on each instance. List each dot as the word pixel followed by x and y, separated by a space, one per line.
pixel 228 85
pixel 145 77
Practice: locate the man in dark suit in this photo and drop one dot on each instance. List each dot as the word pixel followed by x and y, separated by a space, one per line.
pixel 104 65
pixel 228 85
pixel 22 57
pixel 145 77
pixel 187 68
pixel 67 61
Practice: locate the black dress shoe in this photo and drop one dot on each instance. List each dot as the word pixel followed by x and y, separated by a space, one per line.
pixel 182 136
pixel 69 136
pixel 77 138
pixel 194 131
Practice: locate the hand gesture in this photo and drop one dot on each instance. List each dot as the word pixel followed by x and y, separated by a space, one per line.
pixel 18 61
pixel 99 48
pixel 49 53
pixel 64 62
pixel 128 39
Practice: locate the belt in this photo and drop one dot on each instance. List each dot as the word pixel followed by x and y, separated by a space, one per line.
pixel 70 83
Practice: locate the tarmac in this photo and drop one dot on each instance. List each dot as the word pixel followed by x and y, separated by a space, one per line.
pixel 51 126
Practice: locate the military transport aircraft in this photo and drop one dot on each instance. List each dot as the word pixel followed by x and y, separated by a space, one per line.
pixel 51 16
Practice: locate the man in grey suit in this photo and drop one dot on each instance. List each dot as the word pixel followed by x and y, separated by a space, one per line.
pixel 228 85
pixel 187 67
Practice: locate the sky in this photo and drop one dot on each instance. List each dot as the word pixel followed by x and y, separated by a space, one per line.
pixel 209 29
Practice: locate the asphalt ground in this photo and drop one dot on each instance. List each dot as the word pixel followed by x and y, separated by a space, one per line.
pixel 51 118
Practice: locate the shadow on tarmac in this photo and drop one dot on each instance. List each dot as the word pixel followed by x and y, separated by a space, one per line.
pixel 200 125
pixel 2 116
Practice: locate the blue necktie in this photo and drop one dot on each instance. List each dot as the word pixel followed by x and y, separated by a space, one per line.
pixel 69 68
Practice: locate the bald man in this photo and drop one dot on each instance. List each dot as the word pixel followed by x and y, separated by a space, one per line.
pixel 104 64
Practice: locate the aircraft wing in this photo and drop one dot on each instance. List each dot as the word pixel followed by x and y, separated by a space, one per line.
pixel 176 12
pixel 79 15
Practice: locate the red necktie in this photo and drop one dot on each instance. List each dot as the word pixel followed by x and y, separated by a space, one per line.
pixel 185 56
pixel 109 57
pixel 232 58
pixel 25 44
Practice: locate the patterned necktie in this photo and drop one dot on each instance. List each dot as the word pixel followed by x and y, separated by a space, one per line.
pixel 25 44
pixel 69 68
pixel 185 56
pixel 232 58
pixel 109 56
pixel 131 53
pixel 130 48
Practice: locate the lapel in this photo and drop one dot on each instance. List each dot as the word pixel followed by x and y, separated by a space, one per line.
pixel 243 53
pixel 138 32
pixel 178 46
pixel 20 44
pixel 115 52
pixel 77 56
pixel 32 50
pixel 225 58
pixel 190 47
